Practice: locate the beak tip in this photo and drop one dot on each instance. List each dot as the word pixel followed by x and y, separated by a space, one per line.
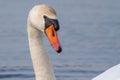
pixel 59 49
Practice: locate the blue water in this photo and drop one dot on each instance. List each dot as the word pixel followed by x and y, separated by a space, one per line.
pixel 89 34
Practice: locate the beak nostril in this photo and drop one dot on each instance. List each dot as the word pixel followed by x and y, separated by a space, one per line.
pixel 53 34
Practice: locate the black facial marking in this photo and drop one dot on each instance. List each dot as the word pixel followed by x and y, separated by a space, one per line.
pixel 56 24
pixel 49 22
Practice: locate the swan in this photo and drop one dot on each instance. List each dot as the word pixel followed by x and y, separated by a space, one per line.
pixel 111 74
pixel 42 19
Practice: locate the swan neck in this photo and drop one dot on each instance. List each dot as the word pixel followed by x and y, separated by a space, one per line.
pixel 41 63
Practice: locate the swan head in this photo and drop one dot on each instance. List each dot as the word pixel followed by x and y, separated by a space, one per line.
pixel 44 19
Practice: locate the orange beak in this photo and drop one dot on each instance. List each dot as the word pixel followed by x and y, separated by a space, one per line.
pixel 53 38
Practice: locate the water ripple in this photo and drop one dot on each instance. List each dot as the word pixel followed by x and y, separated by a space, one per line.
pixel 15 68
pixel 15 75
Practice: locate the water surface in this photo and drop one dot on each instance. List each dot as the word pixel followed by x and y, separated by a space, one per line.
pixel 89 35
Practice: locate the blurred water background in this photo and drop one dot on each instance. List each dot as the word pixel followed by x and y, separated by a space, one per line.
pixel 89 34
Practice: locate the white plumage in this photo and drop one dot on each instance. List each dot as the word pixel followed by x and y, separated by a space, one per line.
pixel 110 74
